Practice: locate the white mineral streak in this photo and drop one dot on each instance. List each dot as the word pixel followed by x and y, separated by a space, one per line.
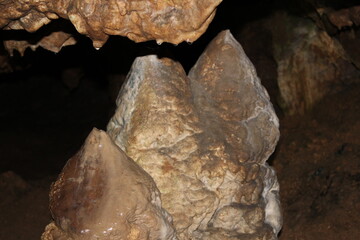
pixel 271 197
pixel 204 138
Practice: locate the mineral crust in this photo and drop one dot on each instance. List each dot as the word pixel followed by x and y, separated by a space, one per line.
pixel 103 194
pixel 171 21
pixel 53 42
pixel 205 139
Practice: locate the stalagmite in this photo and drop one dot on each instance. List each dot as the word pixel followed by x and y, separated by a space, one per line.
pixel 205 139
pixel 103 194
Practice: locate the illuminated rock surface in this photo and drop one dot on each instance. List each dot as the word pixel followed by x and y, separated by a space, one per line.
pixel 163 21
pixel 53 42
pixel 205 139
pixel 102 194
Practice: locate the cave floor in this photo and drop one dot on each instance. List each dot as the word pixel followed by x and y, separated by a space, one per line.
pixel 317 161
pixel 318 165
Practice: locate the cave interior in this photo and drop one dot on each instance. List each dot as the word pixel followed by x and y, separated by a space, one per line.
pixel 51 101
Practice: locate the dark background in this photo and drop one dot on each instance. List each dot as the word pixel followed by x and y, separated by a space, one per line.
pixel 50 103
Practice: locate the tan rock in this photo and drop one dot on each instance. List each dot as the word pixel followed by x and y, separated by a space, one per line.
pixel 103 194
pixel 53 42
pixel 204 139
pixel 164 21
pixel 311 64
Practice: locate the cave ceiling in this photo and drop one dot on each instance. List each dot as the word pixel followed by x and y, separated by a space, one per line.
pixel 172 21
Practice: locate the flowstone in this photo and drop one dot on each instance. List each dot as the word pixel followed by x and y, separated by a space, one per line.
pixel 204 138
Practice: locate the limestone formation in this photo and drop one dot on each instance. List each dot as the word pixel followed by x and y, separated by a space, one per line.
pixel 346 17
pixel 345 24
pixel 53 42
pixel 311 64
pixel 205 139
pixel 171 21
pixel 103 194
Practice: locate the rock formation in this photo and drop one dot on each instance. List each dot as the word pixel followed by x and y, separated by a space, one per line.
pixel 163 21
pixel 53 42
pixel 311 64
pixel 346 17
pixel 344 25
pixel 102 194
pixel 205 139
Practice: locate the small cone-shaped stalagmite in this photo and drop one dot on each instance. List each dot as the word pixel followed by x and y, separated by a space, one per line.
pixel 103 194
pixel 205 139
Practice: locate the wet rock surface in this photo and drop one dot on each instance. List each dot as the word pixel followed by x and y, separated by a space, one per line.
pixel 204 138
pixel 163 21
pixel 102 194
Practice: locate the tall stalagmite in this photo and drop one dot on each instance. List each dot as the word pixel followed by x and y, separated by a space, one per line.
pixel 205 139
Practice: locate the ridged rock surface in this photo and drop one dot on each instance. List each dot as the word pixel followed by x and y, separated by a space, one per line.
pixel 204 138
pixel 103 194
pixel 142 20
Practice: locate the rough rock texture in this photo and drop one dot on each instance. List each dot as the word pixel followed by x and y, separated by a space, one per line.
pixel 204 139
pixel 345 17
pixel 164 21
pixel 341 24
pixel 347 21
pixel 311 64
pixel 102 194
pixel 53 42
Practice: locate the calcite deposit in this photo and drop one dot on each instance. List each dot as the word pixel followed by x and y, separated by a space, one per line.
pixel 171 21
pixel 103 194
pixel 205 139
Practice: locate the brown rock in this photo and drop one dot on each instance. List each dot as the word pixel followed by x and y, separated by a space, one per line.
pixel 53 42
pixel 164 21
pixel 346 17
pixel 225 81
pixel 341 18
pixel 204 139
pixel 311 64
pixel 102 194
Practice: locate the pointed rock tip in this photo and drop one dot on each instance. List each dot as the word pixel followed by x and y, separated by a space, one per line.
pixel 227 37
pixel 96 135
pixel 153 61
